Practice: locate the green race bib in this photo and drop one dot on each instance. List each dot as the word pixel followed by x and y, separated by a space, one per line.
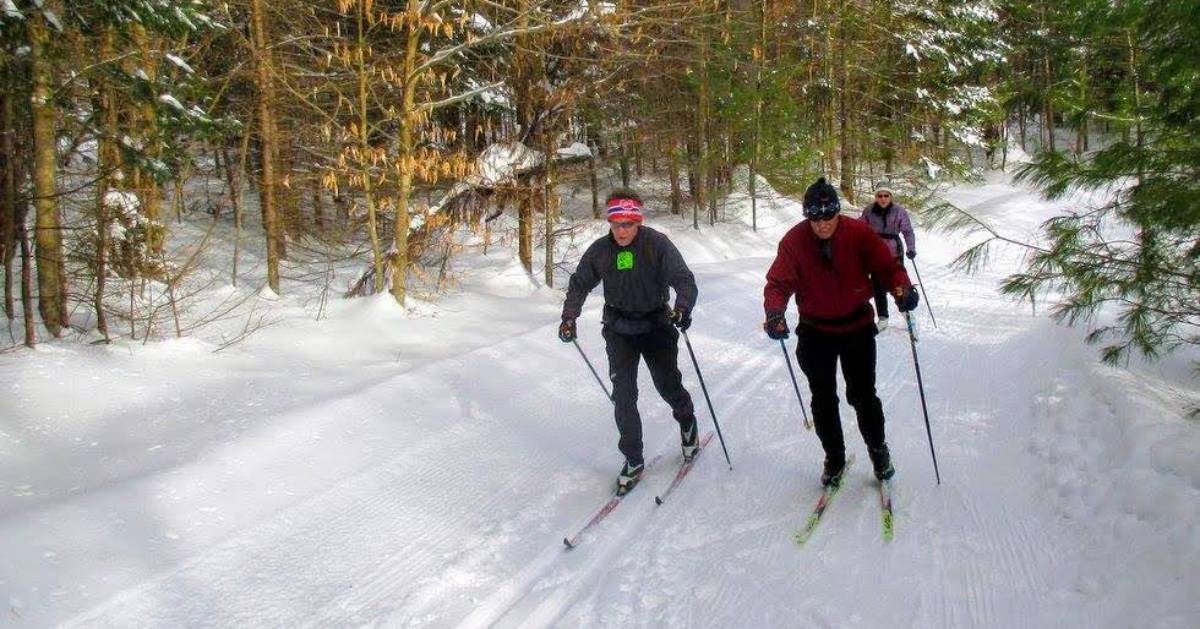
pixel 624 260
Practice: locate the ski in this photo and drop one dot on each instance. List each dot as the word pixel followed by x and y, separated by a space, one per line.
pixel 605 509
pixel 827 496
pixel 573 541
pixel 885 505
pixel 684 468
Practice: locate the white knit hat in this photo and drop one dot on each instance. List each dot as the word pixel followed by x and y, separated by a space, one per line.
pixel 883 186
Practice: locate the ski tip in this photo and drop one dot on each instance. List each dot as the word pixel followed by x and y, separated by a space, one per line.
pixel 567 543
pixel 658 500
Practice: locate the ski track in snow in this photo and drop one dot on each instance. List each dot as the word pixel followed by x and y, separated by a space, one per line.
pixel 454 516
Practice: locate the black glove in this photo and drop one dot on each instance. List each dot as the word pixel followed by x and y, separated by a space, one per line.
pixel 776 326
pixel 566 331
pixel 912 253
pixel 682 318
pixel 907 300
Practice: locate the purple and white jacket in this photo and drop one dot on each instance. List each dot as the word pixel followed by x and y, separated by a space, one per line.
pixel 890 224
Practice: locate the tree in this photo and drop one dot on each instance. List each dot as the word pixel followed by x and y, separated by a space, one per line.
pixel 1133 261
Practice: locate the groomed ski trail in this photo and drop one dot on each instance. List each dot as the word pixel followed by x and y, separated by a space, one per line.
pixel 455 481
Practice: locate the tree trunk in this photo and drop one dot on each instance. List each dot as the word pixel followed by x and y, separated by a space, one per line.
pixel 52 297
pixel 109 156
pixel 26 280
pixel 755 150
pixel 233 177
pixel 676 193
pixel 702 170
pixel 408 118
pixel 318 203
pixel 846 153
pixel 595 185
pixel 593 180
pixel 1021 119
pixel 266 126
pixel 8 197
pixel 525 231
pixel 147 123
pixel 548 209
pixel 637 156
pixel 364 146
pixel 623 160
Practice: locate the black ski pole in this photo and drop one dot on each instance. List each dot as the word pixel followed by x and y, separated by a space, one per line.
pixel 925 291
pixel 589 364
pixel 912 339
pixel 788 359
pixel 706 399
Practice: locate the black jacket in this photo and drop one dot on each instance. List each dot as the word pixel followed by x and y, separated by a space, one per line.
pixel 636 279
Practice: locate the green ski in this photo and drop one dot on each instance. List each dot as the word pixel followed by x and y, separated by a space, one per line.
pixel 885 505
pixel 827 496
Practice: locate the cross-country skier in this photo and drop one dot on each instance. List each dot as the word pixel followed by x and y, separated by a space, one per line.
pixel 827 262
pixel 890 221
pixel 637 265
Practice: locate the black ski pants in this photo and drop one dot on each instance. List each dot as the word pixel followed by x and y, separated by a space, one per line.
pixel 660 348
pixel 881 295
pixel 819 353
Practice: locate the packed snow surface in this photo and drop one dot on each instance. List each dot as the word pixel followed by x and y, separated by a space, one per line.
pixel 419 468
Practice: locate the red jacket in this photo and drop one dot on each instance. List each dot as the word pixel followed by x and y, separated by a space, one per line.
pixel 832 293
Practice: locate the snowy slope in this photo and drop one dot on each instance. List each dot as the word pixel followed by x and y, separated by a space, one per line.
pixel 420 469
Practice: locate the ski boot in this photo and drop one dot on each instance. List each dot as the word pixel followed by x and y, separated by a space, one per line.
pixel 832 475
pixel 629 477
pixel 689 437
pixel 881 459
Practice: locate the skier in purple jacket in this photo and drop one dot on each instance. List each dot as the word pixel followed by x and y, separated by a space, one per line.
pixel 890 221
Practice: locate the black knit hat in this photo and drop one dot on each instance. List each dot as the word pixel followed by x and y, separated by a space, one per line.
pixel 821 200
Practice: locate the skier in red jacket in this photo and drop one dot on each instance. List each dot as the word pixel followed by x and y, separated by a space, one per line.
pixel 827 261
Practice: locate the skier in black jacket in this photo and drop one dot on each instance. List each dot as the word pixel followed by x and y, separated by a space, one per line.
pixel 637 265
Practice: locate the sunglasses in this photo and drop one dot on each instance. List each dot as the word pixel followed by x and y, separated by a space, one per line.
pixel 822 217
pixel 623 225
pixel 883 195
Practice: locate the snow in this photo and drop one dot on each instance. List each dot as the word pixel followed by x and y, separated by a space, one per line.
pixel 576 149
pixel 494 96
pixel 11 10
pixel 419 467
pixel 500 162
pixel 180 63
pixel 481 23
pixel 49 15
pixel 128 204
pixel 173 102
pixel 932 168
pixel 583 9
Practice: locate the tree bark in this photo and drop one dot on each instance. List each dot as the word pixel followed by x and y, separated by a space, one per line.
pixel 701 128
pixel 26 280
pixel 8 199
pixel 364 146
pixel 846 149
pixel 52 297
pixel 676 193
pixel 266 126
pixel 406 149
pixel 147 123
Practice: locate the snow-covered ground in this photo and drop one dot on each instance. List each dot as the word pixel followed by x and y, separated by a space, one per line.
pixel 419 469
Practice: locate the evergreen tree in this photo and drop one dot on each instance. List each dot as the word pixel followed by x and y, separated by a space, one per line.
pixel 1133 262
